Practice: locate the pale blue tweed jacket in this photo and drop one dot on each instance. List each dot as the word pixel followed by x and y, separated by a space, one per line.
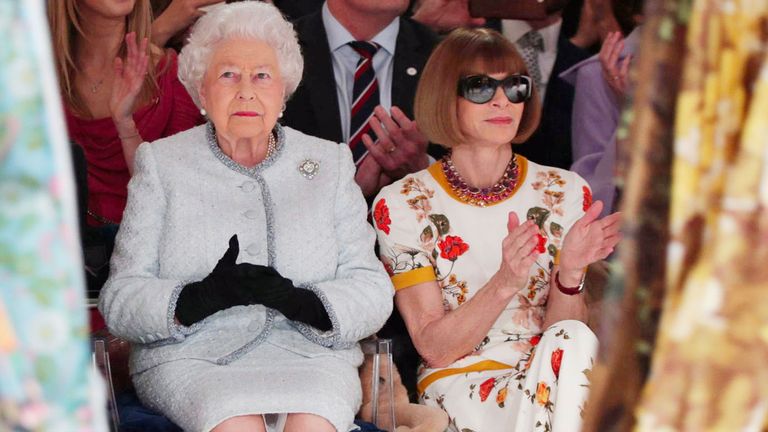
pixel 186 199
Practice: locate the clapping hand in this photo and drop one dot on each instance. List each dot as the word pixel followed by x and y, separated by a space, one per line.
pixel 370 177
pixel 589 240
pixel 400 148
pixel 518 252
pixel 615 71
pixel 129 78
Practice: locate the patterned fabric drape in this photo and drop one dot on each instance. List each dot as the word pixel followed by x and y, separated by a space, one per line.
pixel 709 366
pixel 46 379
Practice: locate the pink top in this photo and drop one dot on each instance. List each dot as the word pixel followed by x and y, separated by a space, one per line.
pixel 170 112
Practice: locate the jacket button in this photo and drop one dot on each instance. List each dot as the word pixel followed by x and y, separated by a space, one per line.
pixel 248 186
pixel 251 214
pixel 253 249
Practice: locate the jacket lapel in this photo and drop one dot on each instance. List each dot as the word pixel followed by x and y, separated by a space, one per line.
pixel 410 57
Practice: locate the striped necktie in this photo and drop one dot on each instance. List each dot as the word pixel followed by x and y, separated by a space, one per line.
pixel 365 97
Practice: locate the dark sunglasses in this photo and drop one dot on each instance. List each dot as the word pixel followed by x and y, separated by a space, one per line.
pixel 480 89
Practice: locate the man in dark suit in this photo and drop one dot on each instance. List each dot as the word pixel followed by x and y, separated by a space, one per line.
pixel 295 9
pixel 544 47
pixel 322 104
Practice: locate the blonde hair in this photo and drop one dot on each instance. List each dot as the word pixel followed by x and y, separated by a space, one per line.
pixel 462 53
pixel 64 21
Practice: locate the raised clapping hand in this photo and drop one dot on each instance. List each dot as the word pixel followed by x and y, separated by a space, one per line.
pixel 590 239
pixel 518 253
pixel 400 147
pixel 129 77
pixel 615 71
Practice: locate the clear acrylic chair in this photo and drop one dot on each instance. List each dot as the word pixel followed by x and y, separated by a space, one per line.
pixel 382 385
pixel 100 357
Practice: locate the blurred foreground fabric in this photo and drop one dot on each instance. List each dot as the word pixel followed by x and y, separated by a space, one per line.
pixel 688 342
pixel 46 378
pixel 709 369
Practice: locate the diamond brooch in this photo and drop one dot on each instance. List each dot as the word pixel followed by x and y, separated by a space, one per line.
pixel 309 168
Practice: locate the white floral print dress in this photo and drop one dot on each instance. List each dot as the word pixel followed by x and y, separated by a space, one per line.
pixel 520 377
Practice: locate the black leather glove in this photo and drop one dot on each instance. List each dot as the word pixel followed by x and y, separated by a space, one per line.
pixel 231 284
pixel 297 304
pixel 226 286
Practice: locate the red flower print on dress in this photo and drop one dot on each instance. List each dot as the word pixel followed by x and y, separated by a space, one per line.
pixel 542 393
pixel 381 216
pixel 501 396
pixel 535 340
pixel 452 247
pixel 486 387
pixel 557 358
pixel 587 198
pixel 541 246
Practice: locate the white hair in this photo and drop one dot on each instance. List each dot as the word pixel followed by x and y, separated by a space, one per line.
pixel 248 20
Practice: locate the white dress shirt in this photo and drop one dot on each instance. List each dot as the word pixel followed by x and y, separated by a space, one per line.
pixel 345 58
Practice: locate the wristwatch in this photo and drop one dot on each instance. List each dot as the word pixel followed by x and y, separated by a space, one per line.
pixel 571 290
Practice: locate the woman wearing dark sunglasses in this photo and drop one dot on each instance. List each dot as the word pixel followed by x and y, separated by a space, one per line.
pixel 488 251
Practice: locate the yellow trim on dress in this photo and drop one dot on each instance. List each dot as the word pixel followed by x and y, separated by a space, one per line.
pixel 413 277
pixel 436 170
pixel 484 365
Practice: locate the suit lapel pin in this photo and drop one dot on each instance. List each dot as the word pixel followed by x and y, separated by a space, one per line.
pixel 309 168
pixel 411 71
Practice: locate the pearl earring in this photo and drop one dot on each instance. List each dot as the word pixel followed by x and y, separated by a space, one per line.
pixel 280 115
pixel 203 112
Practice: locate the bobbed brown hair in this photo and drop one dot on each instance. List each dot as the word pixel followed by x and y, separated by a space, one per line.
pixel 462 53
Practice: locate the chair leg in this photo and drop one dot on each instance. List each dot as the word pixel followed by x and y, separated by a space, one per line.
pixel 382 396
pixel 100 357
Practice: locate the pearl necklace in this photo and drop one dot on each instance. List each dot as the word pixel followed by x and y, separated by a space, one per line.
pixel 271 145
pixel 481 197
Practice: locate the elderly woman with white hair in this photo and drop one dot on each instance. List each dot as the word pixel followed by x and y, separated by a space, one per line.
pixel 262 334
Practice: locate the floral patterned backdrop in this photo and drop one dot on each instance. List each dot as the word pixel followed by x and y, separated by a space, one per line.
pixel 46 378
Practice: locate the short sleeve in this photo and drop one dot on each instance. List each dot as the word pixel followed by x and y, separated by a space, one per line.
pixel 404 233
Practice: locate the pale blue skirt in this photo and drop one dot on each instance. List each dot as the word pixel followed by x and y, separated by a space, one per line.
pixel 198 395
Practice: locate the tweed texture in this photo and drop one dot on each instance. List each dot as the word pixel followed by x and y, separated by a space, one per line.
pixel 186 199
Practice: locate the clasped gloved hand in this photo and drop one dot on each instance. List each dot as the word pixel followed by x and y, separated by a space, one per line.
pixel 231 284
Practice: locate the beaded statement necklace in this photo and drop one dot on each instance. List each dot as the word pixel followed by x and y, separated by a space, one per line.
pixel 481 197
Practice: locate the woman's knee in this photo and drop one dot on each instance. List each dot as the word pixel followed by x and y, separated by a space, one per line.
pixel 241 423
pixel 306 422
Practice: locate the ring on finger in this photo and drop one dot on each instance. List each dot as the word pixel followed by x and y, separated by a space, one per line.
pixel 391 149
